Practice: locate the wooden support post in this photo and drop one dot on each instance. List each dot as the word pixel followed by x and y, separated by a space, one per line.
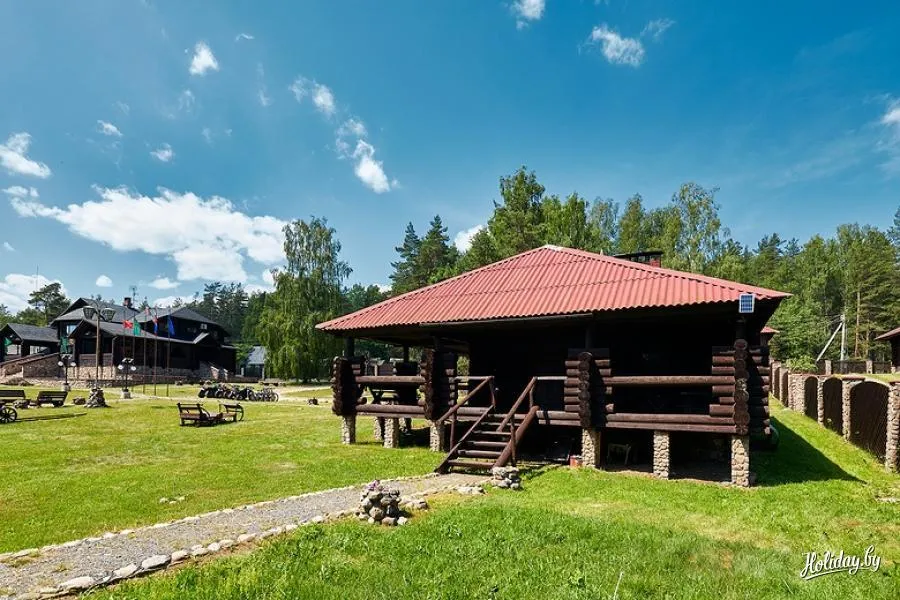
pixel 405 352
pixel 349 347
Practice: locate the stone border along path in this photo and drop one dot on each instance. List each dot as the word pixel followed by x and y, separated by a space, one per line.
pixel 79 565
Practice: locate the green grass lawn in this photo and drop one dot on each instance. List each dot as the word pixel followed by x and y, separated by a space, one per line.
pixel 574 533
pixel 569 534
pixel 66 478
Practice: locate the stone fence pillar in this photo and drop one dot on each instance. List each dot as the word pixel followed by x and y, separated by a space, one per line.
pixel 870 366
pixel 847 384
pixel 829 369
pixel 795 391
pixel 892 450
pixel 661 454
pixel 378 429
pixel 820 400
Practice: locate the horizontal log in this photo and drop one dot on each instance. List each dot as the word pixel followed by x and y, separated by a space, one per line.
pixel 668 380
pixel 723 390
pixel 384 409
pixel 730 360
pixel 556 415
pixel 667 418
pixel 723 370
pixel 396 380
pixel 730 350
pixel 576 408
pixel 601 363
pixel 725 429
pixel 726 400
pixel 721 410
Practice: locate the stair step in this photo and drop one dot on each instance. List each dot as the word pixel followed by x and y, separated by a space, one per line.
pixel 478 453
pixel 486 444
pixel 465 464
pixel 491 433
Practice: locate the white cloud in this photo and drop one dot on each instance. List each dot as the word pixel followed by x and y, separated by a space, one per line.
pixel 13 157
pixel 617 49
pixel 203 60
pixel 186 101
pixel 268 277
pixel 207 134
pixel 656 28
pixel 463 239
pixel 164 153
pixel 15 289
pixel 209 240
pixel 168 301
pixel 243 36
pixel 8 247
pixel 108 129
pixel 383 288
pixel 528 10
pixel 17 191
pixel 321 95
pixel 890 143
pixel 104 282
pixel 369 170
pixel 163 283
pixel 264 99
pixel 124 108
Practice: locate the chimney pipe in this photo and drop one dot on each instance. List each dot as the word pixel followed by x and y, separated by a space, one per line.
pixel 127 302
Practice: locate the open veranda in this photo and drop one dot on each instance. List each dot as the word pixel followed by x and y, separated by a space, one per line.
pixel 570 533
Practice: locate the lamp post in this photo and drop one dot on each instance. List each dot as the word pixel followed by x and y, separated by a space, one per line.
pixel 65 361
pixel 127 367
pixel 97 313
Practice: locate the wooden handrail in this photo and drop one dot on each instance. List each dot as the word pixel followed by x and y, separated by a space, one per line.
pixel 452 411
pixel 455 449
pixel 512 411
pixel 666 380
pixel 510 449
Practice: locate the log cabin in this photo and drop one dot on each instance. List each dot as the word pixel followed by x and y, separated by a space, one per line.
pixel 568 351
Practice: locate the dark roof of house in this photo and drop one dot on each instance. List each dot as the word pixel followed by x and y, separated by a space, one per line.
pixel 32 333
pixel 118 330
pixel 257 355
pixel 547 281
pixel 121 312
pixel 181 312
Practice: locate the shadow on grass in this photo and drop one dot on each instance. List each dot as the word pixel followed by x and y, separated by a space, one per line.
pixel 49 417
pixel 795 461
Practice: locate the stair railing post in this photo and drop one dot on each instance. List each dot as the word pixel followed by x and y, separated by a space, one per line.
pixel 453 431
pixel 512 430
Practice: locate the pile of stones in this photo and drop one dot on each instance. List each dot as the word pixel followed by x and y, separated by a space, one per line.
pixel 79 401
pixel 506 478
pixel 312 401
pixel 378 504
pixel 96 399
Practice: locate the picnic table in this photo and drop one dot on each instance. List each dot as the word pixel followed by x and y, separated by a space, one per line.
pixel 196 414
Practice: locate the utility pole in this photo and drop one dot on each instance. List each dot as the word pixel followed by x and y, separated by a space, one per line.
pixel 856 333
pixel 843 336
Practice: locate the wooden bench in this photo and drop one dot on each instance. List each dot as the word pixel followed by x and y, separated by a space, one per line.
pixel 12 395
pixel 195 414
pixel 55 398
pixel 234 412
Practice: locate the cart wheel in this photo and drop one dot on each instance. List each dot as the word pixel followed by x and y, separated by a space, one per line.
pixel 8 414
pixel 275 395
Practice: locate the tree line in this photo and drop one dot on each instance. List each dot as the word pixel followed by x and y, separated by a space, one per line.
pixel 854 272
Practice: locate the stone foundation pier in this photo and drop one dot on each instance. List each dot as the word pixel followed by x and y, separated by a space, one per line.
pixel 661 454
pixel 348 429
pixel 740 460
pixel 391 433
pixel 590 447
pixel 378 429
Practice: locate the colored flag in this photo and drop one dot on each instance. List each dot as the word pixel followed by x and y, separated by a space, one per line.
pixel 126 324
pixel 170 327
pixel 136 328
pixel 155 322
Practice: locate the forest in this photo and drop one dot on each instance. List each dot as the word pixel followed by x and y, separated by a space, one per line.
pixel 852 271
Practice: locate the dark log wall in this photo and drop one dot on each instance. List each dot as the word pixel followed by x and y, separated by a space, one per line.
pixel 438 368
pixel 344 390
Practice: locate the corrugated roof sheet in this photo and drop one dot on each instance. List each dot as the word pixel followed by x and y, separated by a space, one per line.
pixel 547 281
pixel 32 333
pixel 887 336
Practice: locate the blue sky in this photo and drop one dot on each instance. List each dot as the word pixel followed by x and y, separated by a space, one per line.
pixel 161 143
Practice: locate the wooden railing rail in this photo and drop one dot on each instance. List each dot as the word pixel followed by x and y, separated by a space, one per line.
pixel 526 393
pixel 509 452
pixel 487 381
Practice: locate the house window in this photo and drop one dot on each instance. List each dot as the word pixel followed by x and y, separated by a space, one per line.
pixel 202 326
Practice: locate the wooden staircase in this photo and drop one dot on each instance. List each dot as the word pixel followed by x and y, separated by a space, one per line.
pixel 492 440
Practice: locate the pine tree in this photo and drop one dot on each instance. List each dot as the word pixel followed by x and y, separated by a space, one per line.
pixel 404 277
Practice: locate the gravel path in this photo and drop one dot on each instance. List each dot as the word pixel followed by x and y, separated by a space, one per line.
pixel 37 573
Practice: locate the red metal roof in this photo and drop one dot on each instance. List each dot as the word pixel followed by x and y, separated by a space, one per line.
pixel 546 281
pixel 889 335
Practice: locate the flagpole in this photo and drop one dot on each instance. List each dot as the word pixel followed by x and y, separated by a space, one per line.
pixel 155 347
pixel 169 328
